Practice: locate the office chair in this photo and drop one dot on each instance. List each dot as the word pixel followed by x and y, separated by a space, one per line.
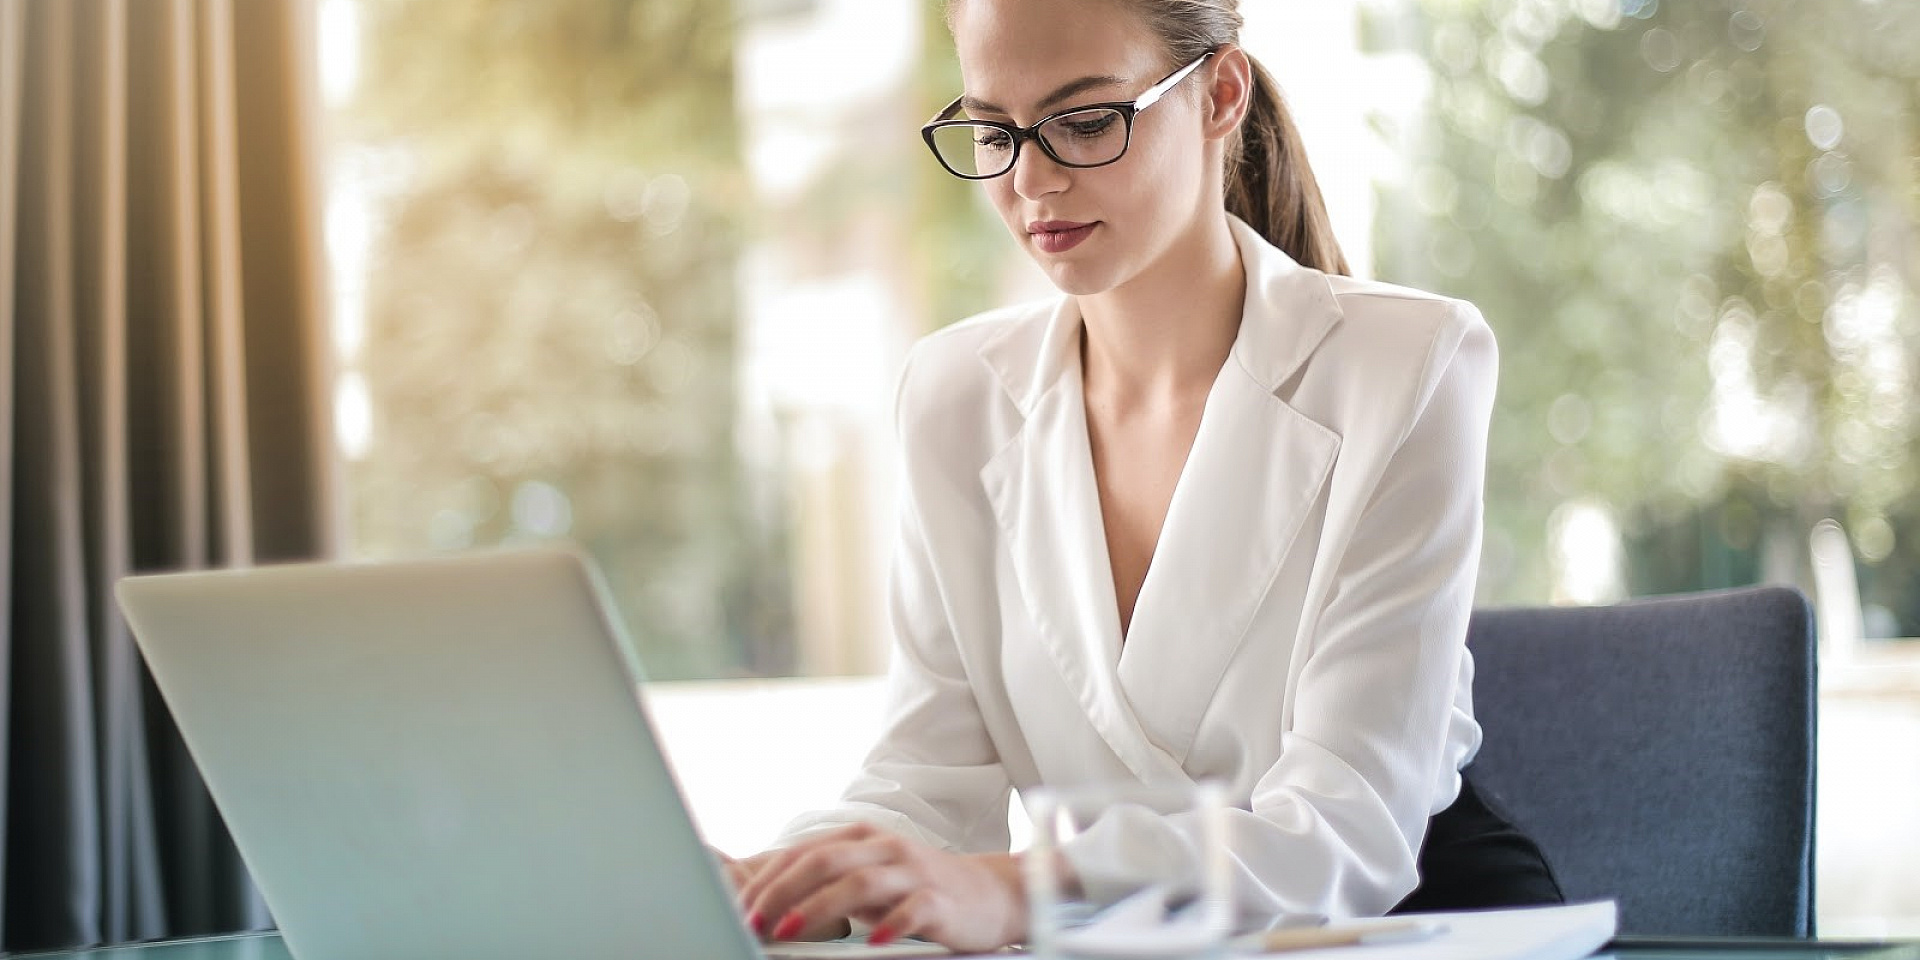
pixel 1661 752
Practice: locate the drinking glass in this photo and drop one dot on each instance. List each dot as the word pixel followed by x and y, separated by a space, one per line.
pixel 1128 871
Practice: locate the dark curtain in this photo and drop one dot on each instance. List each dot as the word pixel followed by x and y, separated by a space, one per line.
pixel 162 406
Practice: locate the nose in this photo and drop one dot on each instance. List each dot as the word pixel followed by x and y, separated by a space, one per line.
pixel 1036 175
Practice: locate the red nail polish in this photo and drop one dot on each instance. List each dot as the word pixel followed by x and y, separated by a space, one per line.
pixel 881 936
pixel 789 925
pixel 756 922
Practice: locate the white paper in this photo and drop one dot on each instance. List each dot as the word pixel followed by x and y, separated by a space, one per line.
pixel 1529 933
pixel 852 950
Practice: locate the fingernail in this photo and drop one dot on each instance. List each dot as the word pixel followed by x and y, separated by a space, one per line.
pixel 881 936
pixel 789 925
pixel 755 922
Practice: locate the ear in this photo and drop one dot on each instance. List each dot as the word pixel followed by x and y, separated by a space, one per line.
pixel 1229 95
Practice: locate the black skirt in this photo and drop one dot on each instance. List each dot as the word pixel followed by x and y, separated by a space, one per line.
pixel 1475 858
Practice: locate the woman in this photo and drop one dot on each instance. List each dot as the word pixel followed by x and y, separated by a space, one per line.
pixel 1214 513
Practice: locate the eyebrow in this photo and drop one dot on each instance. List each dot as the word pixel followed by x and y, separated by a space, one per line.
pixel 1068 89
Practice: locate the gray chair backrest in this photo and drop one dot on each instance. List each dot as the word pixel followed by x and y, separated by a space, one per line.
pixel 1661 752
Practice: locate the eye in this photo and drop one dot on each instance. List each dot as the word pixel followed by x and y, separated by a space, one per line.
pixel 1093 126
pixel 991 138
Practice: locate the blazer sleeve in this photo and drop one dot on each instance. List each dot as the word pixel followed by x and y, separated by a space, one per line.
pixel 1333 828
pixel 934 773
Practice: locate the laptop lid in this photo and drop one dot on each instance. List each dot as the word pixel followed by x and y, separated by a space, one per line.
pixel 436 758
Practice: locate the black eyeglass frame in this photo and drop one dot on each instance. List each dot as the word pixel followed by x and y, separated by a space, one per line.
pixel 1127 109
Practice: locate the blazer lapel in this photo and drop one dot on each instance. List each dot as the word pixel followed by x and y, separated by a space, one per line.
pixel 1255 471
pixel 1041 487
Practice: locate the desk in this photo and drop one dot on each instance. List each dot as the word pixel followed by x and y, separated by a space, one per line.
pixel 267 946
pixel 243 946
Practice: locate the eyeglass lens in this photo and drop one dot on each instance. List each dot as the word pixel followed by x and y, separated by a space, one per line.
pixel 1083 138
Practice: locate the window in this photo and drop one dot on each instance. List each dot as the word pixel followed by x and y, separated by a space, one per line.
pixel 641 274
pixel 1692 226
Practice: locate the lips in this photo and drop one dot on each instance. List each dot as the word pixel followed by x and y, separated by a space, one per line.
pixel 1057 236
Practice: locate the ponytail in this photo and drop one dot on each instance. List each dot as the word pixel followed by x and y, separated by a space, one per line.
pixel 1271 186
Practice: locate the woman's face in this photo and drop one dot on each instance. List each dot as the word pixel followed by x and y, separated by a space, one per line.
pixel 1022 60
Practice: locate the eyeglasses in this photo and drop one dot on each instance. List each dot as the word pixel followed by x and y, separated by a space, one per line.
pixel 1093 135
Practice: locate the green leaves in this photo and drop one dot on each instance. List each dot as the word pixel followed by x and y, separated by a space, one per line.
pixel 1674 214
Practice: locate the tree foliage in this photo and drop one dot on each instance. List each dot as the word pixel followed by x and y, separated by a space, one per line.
pixel 1692 226
pixel 551 317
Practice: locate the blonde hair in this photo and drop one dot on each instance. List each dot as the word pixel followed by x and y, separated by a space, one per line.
pixel 1268 181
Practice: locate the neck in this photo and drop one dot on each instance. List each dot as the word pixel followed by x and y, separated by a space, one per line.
pixel 1162 336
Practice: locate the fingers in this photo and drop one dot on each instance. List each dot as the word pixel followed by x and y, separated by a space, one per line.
pixel 813 887
pixel 782 900
pixel 864 890
pixel 818 928
pixel 913 916
pixel 809 857
pixel 970 903
pixel 774 863
pixel 733 871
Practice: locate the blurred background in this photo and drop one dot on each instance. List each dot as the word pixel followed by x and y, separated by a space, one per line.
pixel 641 275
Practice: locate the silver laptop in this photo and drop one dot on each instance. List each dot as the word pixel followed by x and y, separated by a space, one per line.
pixel 444 758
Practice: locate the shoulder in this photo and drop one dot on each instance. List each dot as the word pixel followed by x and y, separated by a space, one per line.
pixel 946 379
pixel 1392 352
pixel 1418 335
pixel 1376 310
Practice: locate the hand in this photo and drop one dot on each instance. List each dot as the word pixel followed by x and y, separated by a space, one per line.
pixel 970 903
pixel 736 872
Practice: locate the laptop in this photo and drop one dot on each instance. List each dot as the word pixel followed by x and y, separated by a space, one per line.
pixel 439 758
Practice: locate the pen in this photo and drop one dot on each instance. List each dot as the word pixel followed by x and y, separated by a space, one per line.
pixel 1313 938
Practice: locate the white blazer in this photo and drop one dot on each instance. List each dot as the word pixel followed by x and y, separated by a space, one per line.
pixel 1300 634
